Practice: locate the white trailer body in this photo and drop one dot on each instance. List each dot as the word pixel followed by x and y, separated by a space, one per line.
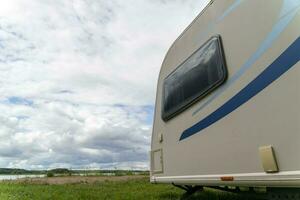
pixel 228 98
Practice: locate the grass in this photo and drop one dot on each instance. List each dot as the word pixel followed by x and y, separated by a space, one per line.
pixel 110 190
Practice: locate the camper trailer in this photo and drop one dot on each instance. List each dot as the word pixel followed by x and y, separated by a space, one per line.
pixel 228 99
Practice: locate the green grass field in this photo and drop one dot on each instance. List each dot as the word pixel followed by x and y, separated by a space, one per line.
pixel 123 190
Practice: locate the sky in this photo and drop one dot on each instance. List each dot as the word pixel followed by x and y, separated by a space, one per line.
pixel 78 79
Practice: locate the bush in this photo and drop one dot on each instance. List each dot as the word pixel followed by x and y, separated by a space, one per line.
pixel 50 174
pixel 129 173
pixel 119 173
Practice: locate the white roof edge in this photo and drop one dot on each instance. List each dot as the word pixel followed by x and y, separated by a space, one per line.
pixel 188 27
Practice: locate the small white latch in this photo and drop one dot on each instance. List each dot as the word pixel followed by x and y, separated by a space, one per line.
pixel 160 138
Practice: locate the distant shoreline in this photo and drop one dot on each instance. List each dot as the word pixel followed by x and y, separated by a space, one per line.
pixel 65 171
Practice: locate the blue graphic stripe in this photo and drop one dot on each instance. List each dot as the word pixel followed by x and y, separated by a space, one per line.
pixel 281 65
pixel 211 26
pixel 287 14
pixel 288 6
pixel 230 9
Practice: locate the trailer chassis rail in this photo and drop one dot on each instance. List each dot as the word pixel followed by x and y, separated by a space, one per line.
pixel 269 194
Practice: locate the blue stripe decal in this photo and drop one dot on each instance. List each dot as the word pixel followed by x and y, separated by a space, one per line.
pixel 289 6
pixel 230 9
pixel 281 65
pixel 211 26
pixel 287 14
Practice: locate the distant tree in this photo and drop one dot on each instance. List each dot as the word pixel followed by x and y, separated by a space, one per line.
pixel 60 171
pixel 50 174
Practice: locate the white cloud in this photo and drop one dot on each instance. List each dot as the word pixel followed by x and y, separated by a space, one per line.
pixel 78 79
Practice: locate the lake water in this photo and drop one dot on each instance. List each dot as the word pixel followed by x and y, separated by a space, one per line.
pixel 15 177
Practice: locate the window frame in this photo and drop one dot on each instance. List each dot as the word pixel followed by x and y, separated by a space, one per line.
pixel 211 88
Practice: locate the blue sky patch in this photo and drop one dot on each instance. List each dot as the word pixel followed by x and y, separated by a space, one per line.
pixel 19 101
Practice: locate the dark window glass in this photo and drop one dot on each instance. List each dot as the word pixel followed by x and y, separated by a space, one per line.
pixel 193 79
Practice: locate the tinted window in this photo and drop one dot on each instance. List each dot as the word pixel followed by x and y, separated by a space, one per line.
pixel 193 79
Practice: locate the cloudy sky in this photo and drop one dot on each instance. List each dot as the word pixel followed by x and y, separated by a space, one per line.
pixel 78 79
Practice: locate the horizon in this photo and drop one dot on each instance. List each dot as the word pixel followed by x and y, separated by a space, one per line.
pixel 75 169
